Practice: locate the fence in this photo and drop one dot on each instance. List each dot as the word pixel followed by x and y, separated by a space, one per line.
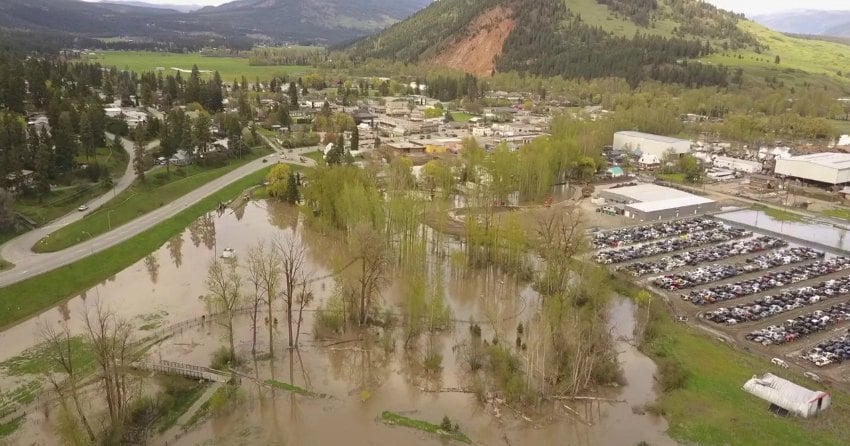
pixel 187 370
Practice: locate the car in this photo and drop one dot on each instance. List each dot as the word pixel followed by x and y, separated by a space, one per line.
pixel 83 208
pixel 812 376
pixel 780 363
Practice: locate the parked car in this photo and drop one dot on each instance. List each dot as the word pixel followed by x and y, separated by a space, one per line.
pixel 779 362
pixel 83 208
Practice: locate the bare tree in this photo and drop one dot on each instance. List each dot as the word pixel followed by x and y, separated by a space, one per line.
pixel 370 250
pixel 60 352
pixel 293 256
pixel 111 339
pixel 269 269
pixel 305 296
pixel 254 267
pixel 224 283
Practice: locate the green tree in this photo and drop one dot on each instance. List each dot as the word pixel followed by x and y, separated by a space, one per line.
pixel 65 142
pixel 87 137
pixel 201 131
pixel 293 96
pixel 139 153
pixel 278 179
pixel 293 195
pixel 355 139
pixel 691 167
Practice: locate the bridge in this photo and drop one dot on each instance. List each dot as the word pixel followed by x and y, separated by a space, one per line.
pixel 185 370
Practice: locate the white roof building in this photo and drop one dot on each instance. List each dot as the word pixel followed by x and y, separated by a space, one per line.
pixel 794 398
pixel 653 202
pixel 647 143
pixel 828 167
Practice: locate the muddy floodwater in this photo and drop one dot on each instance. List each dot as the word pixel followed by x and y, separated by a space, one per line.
pixel 820 232
pixel 361 379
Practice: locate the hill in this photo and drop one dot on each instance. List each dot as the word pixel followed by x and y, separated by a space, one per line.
pixel 822 23
pixel 174 6
pixel 683 41
pixel 324 21
pixel 633 39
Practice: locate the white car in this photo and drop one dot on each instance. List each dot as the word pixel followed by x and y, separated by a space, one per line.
pixel 83 208
pixel 780 363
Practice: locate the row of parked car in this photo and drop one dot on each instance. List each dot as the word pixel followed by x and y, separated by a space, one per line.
pixel 653 231
pixel 704 255
pixel 717 272
pixel 785 301
pixel 832 351
pixel 693 240
pixel 801 326
pixel 767 281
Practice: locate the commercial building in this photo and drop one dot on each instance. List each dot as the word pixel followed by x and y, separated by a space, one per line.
pixel 827 168
pixel 649 144
pixel 646 202
pixel 784 394
pixel 737 164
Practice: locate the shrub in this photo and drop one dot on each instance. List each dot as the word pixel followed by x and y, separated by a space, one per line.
pixel 673 374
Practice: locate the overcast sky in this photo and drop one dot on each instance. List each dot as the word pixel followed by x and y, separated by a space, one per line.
pixel 749 7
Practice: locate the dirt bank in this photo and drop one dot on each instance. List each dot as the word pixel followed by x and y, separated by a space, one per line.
pixel 475 51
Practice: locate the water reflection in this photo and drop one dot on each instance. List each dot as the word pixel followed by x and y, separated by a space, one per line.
pixel 152 265
pixel 817 231
pixel 175 249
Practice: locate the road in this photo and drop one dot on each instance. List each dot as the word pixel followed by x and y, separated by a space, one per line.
pixel 29 264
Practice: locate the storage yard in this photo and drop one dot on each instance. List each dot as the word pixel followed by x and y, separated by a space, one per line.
pixel 765 294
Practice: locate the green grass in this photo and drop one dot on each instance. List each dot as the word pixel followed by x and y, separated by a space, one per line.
pixel 4 265
pixel 778 214
pixel 179 401
pixel 114 160
pixel 220 399
pixel 809 56
pixel 294 389
pixel 140 198
pixel 37 361
pixel 461 116
pixel 316 156
pixel 678 178
pixel 230 68
pixel 24 393
pixel 712 409
pixel 401 420
pixel 843 213
pixel 7 429
pixel 58 203
pixel 28 297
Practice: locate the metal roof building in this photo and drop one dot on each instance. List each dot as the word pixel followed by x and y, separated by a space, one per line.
pixel 794 398
pixel 828 167
pixel 653 202
pixel 649 144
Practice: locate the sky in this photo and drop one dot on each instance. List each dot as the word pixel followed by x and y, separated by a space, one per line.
pixel 748 7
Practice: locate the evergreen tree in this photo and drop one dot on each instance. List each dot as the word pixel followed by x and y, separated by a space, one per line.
pixel 139 153
pixel 355 139
pixel 293 195
pixel 293 96
pixel 87 138
pixel 65 142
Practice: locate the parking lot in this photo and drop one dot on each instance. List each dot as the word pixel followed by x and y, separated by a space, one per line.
pixel 767 295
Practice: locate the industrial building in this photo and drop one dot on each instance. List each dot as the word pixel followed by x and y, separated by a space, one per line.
pixel 827 168
pixel 737 164
pixel 649 144
pixel 646 202
pixel 784 394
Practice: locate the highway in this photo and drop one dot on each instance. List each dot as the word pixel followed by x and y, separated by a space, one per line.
pixel 29 264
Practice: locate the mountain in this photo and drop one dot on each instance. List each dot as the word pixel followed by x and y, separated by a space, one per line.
pixel 822 23
pixel 633 39
pixel 314 21
pixel 175 7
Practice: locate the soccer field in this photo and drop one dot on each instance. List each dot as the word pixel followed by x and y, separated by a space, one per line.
pixel 230 68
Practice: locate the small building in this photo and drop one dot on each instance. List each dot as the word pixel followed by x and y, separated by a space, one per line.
pixel 181 158
pixel 647 202
pixel 787 395
pixel 825 168
pixel 616 171
pixel 647 143
pixel 737 164
pixel 15 181
pixel 364 116
pixel 404 147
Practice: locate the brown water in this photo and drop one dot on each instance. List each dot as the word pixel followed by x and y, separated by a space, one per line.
pixel 362 377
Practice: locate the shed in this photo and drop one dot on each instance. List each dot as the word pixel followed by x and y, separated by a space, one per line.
pixel 647 143
pixel 826 167
pixel 787 395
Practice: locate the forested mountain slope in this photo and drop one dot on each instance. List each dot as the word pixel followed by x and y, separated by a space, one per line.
pixel 631 39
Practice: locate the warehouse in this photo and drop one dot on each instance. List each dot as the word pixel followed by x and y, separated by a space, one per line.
pixel 784 394
pixel 827 168
pixel 737 165
pixel 653 202
pixel 649 144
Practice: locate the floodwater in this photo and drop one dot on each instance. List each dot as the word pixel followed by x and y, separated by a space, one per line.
pixel 811 230
pixel 363 377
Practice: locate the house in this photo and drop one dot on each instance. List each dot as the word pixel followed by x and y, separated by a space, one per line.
pixel 364 116
pixel 404 147
pixel 181 158
pixel 14 181
pixel 788 396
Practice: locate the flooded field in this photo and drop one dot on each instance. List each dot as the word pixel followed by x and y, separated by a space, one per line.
pixel 812 231
pixel 363 373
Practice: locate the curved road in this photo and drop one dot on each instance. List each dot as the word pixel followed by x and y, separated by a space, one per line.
pixel 29 264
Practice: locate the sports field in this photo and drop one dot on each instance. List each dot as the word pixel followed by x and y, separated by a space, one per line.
pixel 230 68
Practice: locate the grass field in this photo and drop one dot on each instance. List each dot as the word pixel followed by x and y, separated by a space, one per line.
pixel 140 198
pixel 230 68
pixel 711 408
pixel 461 116
pixel 838 212
pixel 30 296
pixel 58 202
pixel 116 161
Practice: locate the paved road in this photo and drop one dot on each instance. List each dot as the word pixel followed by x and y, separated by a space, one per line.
pixel 29 264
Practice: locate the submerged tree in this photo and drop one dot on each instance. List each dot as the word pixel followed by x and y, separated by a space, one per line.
pixel 370 251
pixel 224 283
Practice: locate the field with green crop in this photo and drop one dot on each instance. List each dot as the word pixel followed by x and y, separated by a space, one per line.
pixel 230 68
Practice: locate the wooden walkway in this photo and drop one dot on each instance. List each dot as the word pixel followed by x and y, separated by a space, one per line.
pixel 185 370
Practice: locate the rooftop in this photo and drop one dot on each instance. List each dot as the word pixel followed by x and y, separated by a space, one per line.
pixel 827 159
pixel 666 139
pixel 649 192
pixel 670 203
